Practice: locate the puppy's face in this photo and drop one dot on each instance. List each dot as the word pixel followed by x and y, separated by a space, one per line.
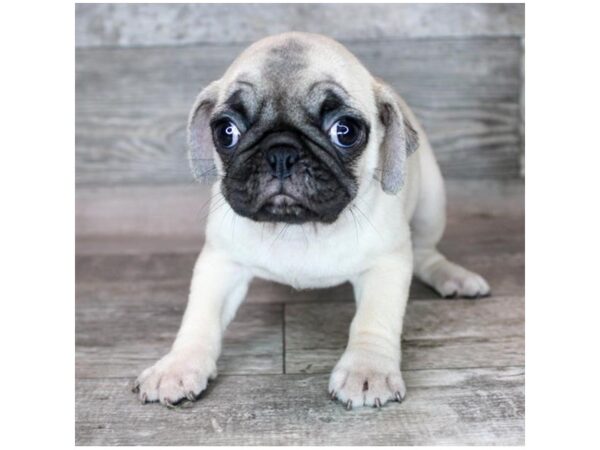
pixel 291 122
pixel 289 155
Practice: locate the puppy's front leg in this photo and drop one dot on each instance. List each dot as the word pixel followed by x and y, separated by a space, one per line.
pixel 369 371
pixel 218 287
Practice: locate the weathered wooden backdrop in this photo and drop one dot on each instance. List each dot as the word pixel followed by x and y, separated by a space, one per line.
pixel 139 68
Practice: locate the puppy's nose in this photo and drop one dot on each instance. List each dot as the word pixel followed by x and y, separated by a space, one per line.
pixel 281 159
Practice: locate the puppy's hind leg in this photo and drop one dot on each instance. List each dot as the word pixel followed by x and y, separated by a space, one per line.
pixel 427 227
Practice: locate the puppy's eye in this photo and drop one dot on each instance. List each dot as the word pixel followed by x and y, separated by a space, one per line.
pixel 345 132
pixel 227 134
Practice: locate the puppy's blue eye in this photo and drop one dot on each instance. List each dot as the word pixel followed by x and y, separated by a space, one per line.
pixel 345 132
pixel 227 134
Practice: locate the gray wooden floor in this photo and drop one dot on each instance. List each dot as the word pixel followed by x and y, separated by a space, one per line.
pixel 463 360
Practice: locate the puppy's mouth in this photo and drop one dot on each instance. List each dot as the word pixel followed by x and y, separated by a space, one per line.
pixel 284 208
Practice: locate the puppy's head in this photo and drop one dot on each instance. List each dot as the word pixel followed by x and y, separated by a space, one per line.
pixel 295 127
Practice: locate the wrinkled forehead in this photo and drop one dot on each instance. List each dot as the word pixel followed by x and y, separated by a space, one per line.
pixel 290 72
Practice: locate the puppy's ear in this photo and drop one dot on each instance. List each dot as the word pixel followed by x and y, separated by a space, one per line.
pixel 199 133
pixel 400 139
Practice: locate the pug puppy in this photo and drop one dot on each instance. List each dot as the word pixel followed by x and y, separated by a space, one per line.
pixel 323 175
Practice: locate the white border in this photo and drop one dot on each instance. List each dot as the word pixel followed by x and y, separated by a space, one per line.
pixel 562 119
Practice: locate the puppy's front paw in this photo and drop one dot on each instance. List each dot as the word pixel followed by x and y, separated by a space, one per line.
pixel 366 379
pixel 174 377
pixel 452 280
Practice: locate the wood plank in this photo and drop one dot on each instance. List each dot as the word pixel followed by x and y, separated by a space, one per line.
pixel 132 104
pixel 443 407
pixel 119 338
pixel 177 24
pixel 148 219
pixel 126 214
pixel 437 334
pixel 150 278
pixel 178 266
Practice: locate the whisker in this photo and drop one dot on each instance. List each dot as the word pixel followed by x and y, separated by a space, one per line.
pixel 355 223
pixel 234 216
pixel 369 222
pixel 280 233
pixel 207 172
pixel 222 202
pixel 378 169
pixel 209 200
pixel 305 236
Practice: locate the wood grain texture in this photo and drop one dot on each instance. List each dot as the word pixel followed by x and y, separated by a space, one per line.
pixel 482 241
pixel 147 219
pixel 451 407
pixel 437 334
pixel 184 24
pixel 143 278
pixel 132 104
pixel 119 338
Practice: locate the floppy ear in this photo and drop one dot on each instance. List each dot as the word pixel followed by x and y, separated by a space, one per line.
pixel 200 142
pixel 400 139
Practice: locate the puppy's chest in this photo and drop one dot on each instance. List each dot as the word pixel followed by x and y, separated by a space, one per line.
pixel 307 268
pixel 292 257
